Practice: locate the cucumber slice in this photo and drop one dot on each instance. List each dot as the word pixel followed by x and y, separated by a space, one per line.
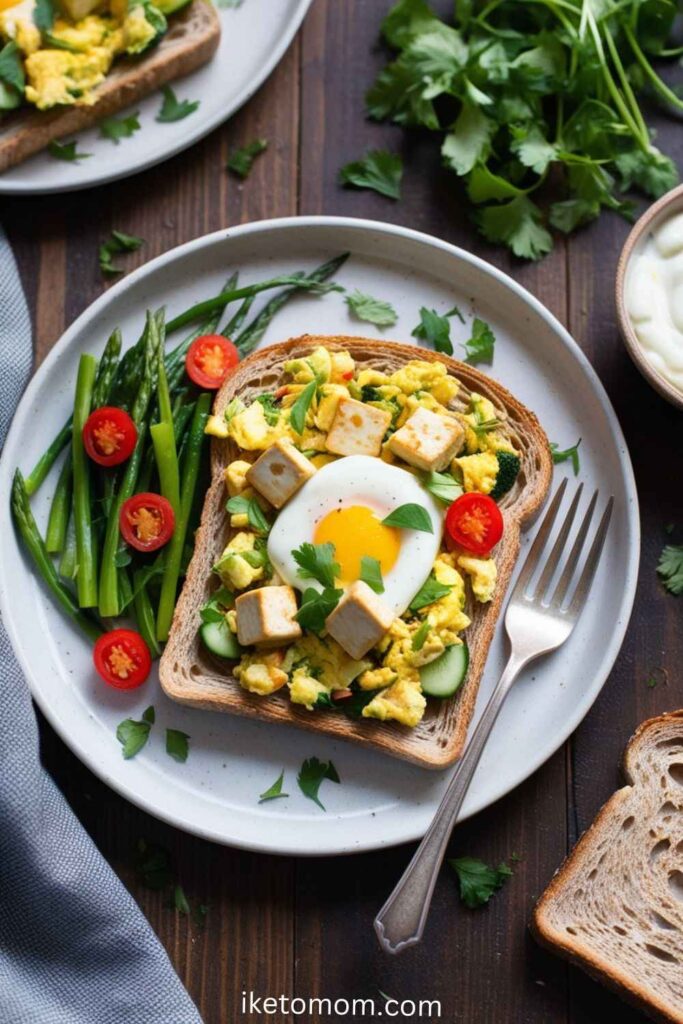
pixel 219 639
pixel 443 676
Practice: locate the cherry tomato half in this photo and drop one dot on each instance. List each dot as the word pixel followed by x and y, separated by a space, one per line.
pixel 146 521
pixel 474 522
pixel 210 359
pixel 109 436
pixel 122 658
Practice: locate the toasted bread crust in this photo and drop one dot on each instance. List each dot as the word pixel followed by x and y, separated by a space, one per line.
pixel 190 676
pixel 191 40
pixel 664 733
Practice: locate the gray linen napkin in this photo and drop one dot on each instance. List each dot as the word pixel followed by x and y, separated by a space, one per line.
pixel 74 946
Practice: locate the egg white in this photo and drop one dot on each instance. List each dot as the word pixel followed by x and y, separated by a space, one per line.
pixel 367 481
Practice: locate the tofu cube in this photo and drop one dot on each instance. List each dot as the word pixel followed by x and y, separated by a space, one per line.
pixel 280 472
pixel 357 429
pixel 427 441
pixel 265 617
pixel 360 620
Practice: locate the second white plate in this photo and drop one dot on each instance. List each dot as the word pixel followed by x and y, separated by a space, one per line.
pixel 380 801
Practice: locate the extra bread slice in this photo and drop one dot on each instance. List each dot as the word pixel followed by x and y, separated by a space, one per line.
pixel 615 907
pixel 190 675
pixel 191 40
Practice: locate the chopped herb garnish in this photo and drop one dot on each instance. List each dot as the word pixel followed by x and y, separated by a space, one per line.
pixel 297 415
pixel 274 792
pixel 66 151
pixel 670 568
pixel 117 128
pixel 371 573
pixel 479 348
pixel 434 329
pixel 478 882
pixel 133 735
pixel 443 486
pixel 241 160
pixel 313 773
pixel 119 242
pixel 371 310
pixel 173 109
pixel 378 170
pixel 430 591
pixel 240 505
pixel 180 900
pixel 410 517
pixel 420 636
pixel 316 562
pixel 177 745
pixel 569 454
pixel 316 606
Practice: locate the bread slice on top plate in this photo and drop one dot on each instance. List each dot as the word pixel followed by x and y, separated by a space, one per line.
pixel 191 40
pixel 615 907
pixel 190 675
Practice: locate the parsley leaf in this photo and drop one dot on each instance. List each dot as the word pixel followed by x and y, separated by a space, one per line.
pixel 478 882
pixel 117 128
pixel 240 505
pixel 410 517
pixel 443 486
pixel 430 591
pixel 517 223
pixel 241 160
pixel 670 568
pixel 371 310
pixel 469 142
pixel 118 243
pixel 435 329
pixel 297 414
pixel 569 454
pixel 378 170
pixel 274 792
pixel 66 151
pixel 173 109
pixel 133 735
pixel 313 772
pixel 177 746
pixel 316 562
pixel 420 636
pixel 479 349
pixel 316 606
pixel 371 573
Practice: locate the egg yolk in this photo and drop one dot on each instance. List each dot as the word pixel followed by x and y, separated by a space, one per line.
pixel 6 4
pixel 356 531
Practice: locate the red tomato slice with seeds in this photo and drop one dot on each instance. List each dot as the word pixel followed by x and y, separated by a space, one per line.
pixel 109 436
pixel 122 658
pixel 474 523
pixel 210 360
pixel 146 521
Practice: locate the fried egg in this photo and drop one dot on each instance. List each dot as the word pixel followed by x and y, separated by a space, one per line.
pixel 344 504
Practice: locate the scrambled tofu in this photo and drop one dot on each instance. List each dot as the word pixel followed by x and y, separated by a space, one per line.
pixel 478 472
pixel 261 673
pixel 402 702
pixel 482 573
pixel 240 565
pixel 64 65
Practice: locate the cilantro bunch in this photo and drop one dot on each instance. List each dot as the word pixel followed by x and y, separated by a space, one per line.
pixel 522 93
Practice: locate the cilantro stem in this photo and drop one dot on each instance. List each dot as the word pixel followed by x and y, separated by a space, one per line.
pixel 626 85
pixel 609 80
pixel 661 87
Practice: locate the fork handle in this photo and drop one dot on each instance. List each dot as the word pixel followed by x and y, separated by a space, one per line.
pixel 401 921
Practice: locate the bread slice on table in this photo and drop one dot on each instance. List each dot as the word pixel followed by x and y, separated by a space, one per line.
pixel 615 907
pixel 191 676
pixel 191 40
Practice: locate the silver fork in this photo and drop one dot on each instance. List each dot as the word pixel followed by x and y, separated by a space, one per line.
pixel 535 624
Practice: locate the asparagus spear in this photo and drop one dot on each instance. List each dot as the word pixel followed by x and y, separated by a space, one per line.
pixel 86 556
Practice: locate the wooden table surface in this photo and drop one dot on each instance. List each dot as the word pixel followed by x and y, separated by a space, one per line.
pixel 304 927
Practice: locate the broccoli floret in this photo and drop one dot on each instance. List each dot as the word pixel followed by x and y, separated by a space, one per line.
pixel 508 468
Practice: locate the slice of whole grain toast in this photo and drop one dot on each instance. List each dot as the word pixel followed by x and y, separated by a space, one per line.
pixel 615 907
pixel 190 675
pixel 191 40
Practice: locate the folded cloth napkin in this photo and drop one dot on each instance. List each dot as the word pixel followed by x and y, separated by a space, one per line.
pixel 74 946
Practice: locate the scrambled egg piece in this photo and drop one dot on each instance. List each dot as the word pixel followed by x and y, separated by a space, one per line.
pixel 261 673
pixel 251 431
pixel 483 411
pixel 235 476
pixel 419 375
pixel 483 573
pixel 317 366
pixel 61 77
pixel 82 35
pixel 409 403
pixel 376 678
pixel 322 459
pixel 479 472
pixel 17 24
pixel 138 31
pixel 233 568
pixel 447 616
pixel 402 702
pixel 343 367
pixel 327 404
pixel 325 660
pixel 305 689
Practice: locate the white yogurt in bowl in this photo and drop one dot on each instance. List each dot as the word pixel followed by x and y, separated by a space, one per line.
pixel 653 297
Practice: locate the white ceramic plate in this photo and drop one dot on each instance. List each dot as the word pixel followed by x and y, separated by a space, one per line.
pixel 254 37
pixel 380 801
